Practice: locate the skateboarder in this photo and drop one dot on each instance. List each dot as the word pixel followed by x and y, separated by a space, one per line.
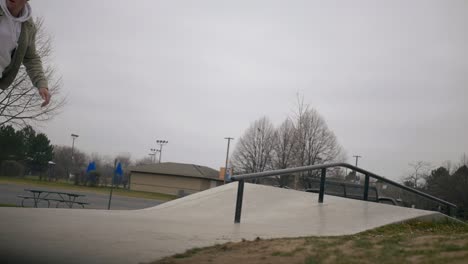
pixel 17 46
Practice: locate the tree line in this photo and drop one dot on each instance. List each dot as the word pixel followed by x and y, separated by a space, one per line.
pixel 302 139
pixel 447 182
pixel 26 152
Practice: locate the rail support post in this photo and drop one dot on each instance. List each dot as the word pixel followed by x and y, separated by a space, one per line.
pixel 240 194
pixel 322 185
pixel 366 188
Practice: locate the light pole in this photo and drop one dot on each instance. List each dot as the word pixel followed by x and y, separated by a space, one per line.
pixel 357 157
pixel 152 157
pixel 227 157
pixel 51 173
pixel 153 154
pixel 112 185
pixel 161 144
pixel 74 136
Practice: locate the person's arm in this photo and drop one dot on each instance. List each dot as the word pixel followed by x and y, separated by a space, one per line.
pixel 33 65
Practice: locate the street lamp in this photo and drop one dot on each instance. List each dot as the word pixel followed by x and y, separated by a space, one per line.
pixel 74 136
pixel 153 154
pixel 161 144
pixel 227 157
pixel 152 157
pixel 50 171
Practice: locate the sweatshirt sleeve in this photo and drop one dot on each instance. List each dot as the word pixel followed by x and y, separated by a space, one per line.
pixel 33 64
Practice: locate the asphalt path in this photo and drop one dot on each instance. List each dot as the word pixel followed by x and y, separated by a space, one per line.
pixel 10 191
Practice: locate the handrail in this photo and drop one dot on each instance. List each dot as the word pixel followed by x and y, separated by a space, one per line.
pixel 241 178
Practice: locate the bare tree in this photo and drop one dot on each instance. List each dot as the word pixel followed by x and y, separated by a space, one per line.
pixel 448 165
pixel 339 173
pixel 315 142
pixel 283 154
pixel 302 140
pixel 107 170
pixel 254 149
pixel 20 104
pixel 124 159
pixel 144 161
pixel 420 170
pixel 97 159
pixel 64 165
pixel 463 160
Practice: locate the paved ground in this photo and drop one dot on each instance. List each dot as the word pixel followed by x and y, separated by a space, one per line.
pixel 9 192
pixel 206 218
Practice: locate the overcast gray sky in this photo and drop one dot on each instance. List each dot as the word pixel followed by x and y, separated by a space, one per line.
pixel 389 77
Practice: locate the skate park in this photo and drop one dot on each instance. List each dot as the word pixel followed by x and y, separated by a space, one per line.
pixel 230 213
pixel 298 90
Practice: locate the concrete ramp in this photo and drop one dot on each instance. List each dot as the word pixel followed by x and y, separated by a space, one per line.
pixel 206 218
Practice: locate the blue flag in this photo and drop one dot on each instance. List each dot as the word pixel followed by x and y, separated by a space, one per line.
pixel 118 170
pixel 91 167
pixel 118 173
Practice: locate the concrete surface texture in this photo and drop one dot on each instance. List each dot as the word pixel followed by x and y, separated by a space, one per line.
pixel 42 235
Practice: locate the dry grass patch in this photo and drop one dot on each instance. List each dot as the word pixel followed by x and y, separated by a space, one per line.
pixel 411 242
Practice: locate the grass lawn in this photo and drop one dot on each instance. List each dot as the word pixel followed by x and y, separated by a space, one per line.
pixel 411 242
pixel 8 205
pixel 34 181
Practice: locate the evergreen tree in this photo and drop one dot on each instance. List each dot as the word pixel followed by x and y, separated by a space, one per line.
pixel 41 152
pixel 25 147
pixel 11 144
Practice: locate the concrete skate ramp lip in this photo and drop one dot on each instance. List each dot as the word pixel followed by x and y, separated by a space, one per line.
pixel 201 219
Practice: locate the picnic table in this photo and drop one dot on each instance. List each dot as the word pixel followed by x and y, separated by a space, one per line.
pixel 66 198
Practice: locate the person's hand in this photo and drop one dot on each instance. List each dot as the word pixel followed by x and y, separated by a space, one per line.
pixel 45 95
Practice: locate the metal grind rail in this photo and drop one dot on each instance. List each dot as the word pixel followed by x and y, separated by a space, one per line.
pixel 323 167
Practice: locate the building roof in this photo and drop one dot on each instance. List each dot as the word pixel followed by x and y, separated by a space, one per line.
pixel 178 169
